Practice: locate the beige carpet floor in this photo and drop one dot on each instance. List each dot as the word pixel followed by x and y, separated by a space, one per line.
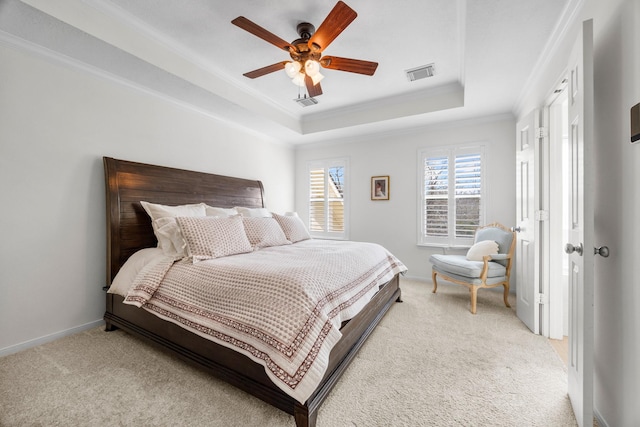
pixel 429 363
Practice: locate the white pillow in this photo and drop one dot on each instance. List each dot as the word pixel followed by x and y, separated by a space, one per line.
pixel 480 249
pixel 157 211
pixel 219 212
pixel 210 237
pixel 254 212
pixel 264 232
pixel 293 227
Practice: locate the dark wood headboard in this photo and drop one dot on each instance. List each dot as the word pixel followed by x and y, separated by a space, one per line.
pixel 127 183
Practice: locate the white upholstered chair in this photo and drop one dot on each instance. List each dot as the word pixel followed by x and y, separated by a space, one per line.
pixel 489 266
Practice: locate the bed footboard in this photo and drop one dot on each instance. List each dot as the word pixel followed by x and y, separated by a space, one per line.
pixel 239 370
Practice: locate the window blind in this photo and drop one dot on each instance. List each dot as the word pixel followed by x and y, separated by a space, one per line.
pixel 327 208
pixel 452 194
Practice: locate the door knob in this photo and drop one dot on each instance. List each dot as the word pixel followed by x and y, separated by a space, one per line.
pixel 569 248
pixel 516 229
pixel 603 251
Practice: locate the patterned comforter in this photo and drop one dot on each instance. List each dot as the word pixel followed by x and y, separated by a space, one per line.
pixel 281 306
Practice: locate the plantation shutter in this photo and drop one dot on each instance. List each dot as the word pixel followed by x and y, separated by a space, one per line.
pixel 436 215
pixel 317 220
pixel 335 198
pixel 451 195
pixel 468 188
pixel 327 207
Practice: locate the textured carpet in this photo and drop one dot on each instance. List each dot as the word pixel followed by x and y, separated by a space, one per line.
pixel 429 363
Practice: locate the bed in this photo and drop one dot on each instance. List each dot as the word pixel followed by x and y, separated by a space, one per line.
pixel 129 231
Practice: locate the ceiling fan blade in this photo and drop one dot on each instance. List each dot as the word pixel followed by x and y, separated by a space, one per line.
pixel 313 90
pixel 258 31
pixel 338 19
pixel 347 64
pixel 265 70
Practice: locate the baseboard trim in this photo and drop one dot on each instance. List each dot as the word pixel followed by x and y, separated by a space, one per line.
pixel 598 418
pixel 415 278
pixel 48 338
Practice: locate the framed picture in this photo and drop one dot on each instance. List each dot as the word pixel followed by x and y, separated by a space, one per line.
pixel 380 188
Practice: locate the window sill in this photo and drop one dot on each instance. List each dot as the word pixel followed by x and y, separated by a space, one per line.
pixel 445 247
pixel 328 237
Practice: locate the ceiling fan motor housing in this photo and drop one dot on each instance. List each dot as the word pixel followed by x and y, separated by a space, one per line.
pixel 301 51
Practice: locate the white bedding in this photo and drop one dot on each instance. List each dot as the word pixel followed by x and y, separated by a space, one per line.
pixel 136 262
pixel 282 306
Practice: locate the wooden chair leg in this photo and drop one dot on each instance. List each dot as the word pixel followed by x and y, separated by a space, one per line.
pixel 433 278
pixel 506 294
pixel 474 297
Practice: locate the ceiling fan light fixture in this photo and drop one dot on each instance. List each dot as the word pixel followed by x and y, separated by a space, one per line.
pixel 298 80
pixel 311 67
pixel 316 78
pixel 292 68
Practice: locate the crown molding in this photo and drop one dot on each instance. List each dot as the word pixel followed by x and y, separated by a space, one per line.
pixel 59 59
pixel 569 17
pixel 453 123
pixel 115 27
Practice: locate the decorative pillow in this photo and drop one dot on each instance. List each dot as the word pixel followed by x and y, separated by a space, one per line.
pixel 254 212
pixel 293 227
pixel 156 211
pixel 219 212
pixel 210 237
pixel 264 232
pixel 480 249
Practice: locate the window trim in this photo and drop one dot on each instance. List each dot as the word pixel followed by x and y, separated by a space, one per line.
pixel 325 164
pixel 450 151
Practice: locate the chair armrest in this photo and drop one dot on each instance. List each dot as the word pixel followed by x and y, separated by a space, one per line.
pixel 494 257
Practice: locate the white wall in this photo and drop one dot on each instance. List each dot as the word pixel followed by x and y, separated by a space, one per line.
pixel 617 172
pixel 56 123
pixel 617 194
pixel 394 223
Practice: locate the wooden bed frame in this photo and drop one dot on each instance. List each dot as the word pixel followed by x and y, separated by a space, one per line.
pixel 129 230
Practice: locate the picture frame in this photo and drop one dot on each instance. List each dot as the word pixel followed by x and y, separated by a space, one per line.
pixel 380 187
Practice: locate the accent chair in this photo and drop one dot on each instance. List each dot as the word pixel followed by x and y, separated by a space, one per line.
pixel 487 264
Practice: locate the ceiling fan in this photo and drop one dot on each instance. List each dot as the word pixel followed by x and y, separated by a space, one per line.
pixel 306 52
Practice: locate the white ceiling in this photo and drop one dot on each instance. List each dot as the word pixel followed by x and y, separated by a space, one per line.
pixel 484 52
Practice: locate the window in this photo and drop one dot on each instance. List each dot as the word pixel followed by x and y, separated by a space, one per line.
pixel 451 195
pixel 327 202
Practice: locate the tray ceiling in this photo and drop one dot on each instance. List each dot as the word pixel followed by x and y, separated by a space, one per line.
pixel 483 52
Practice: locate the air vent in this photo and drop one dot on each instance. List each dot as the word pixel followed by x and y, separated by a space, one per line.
pixel 306 101
pixel 420 72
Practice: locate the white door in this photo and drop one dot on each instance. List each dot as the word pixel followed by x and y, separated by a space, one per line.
pixel 581 243
pixel 527 199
